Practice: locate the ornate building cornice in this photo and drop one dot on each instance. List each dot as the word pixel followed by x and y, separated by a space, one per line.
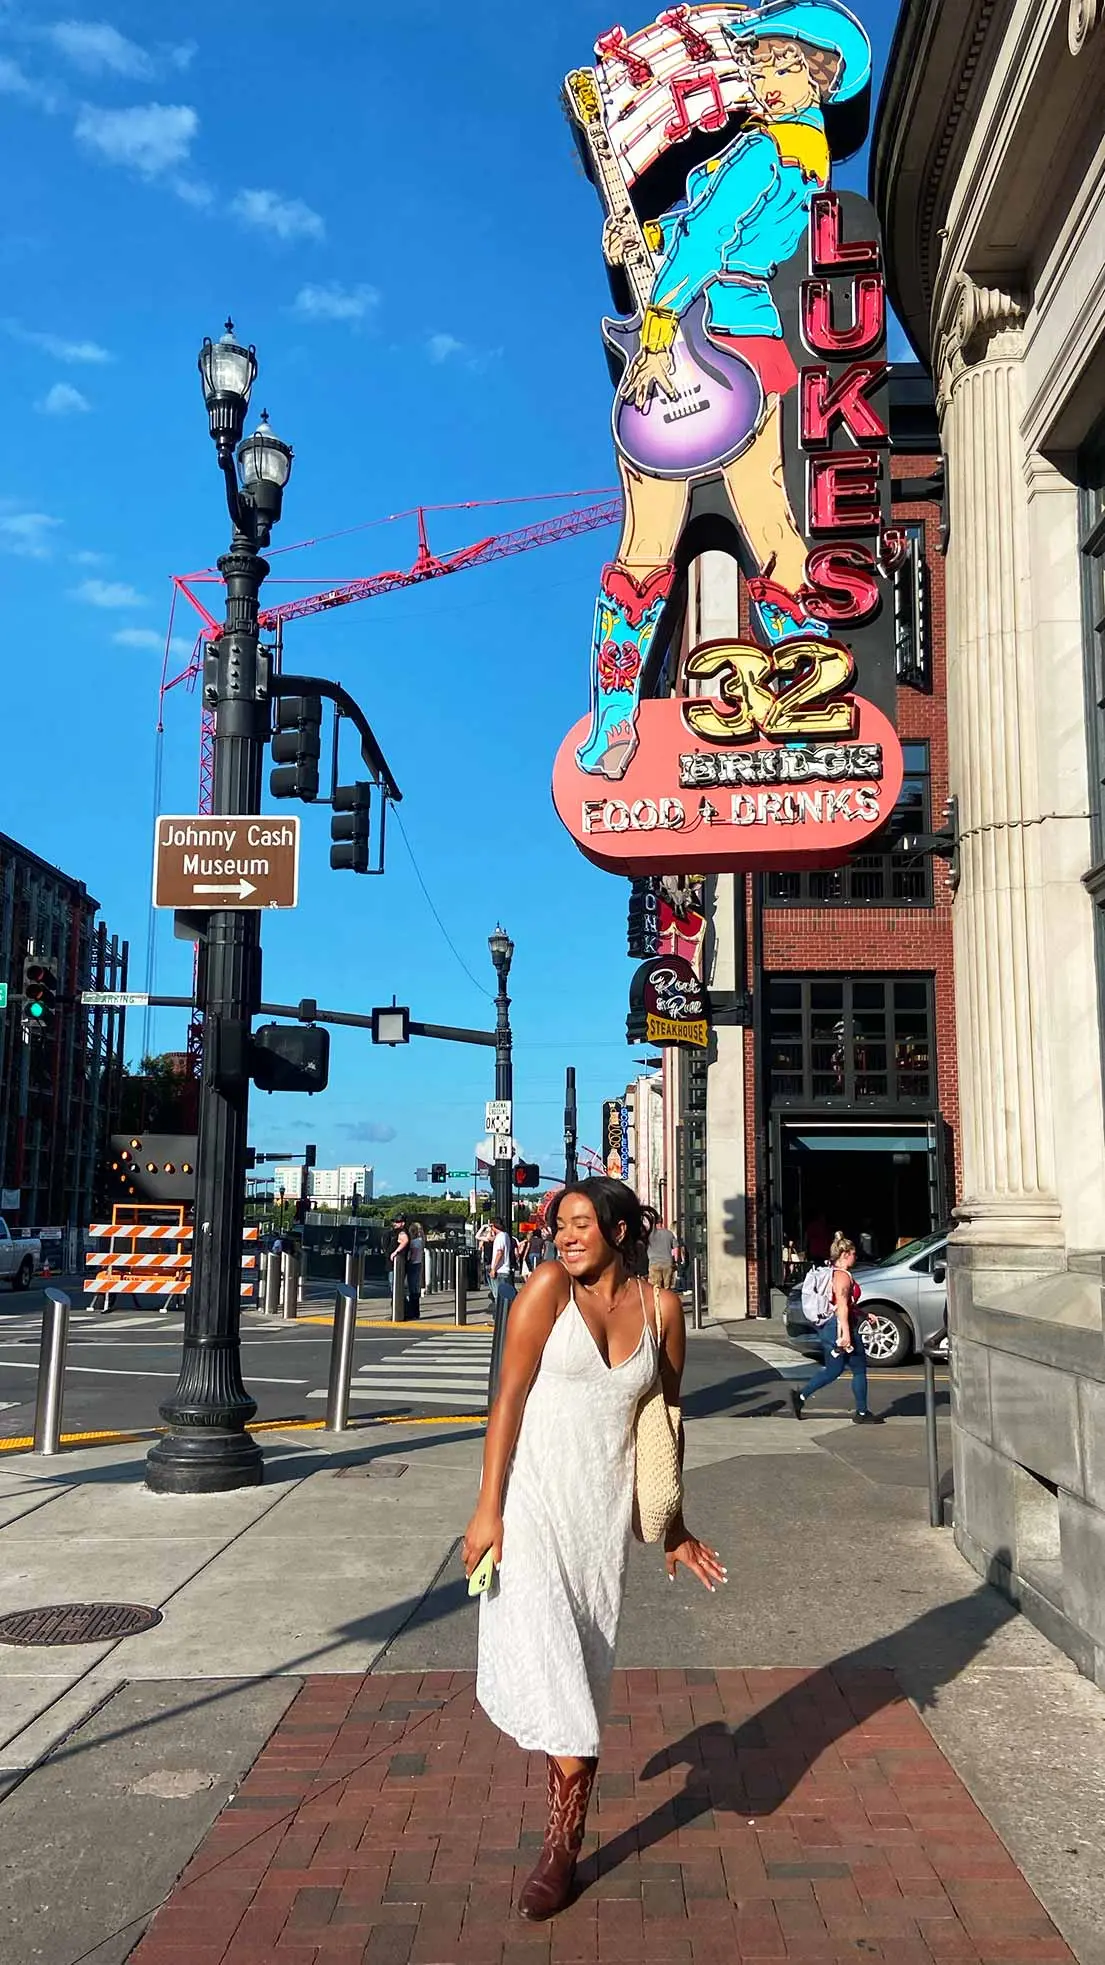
pixel 972 319
pixel 1085 15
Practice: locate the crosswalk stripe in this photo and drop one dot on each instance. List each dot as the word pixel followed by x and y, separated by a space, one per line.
pixel 786 1363
pixel 416 1394
pixel 434 1371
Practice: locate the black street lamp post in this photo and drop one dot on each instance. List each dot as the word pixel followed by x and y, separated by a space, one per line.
pixel 502 1172
pixel 207 1448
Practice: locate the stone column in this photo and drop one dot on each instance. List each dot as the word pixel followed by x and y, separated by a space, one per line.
pixel 1008 1184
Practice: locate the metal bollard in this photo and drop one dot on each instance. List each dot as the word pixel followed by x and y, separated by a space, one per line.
pixel 696 1293
pixel 341 1358
pixel 272 1284
pixel 398 1290
pixel 290 1285
pixel 354 1273
pixel 460 1290
pixel 303 1279
pixel 932 1451
pixel 51 1372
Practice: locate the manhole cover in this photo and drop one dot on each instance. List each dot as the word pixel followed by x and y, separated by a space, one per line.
pixel 77 1623
pixel 375 1470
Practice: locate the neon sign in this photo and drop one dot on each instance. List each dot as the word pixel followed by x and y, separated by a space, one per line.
pixel 750 412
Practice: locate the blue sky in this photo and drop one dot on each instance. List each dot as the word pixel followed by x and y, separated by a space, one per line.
pixel 389 204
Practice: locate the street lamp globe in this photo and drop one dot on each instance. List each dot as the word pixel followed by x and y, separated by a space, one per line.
pixel 502 950
pixel 264 467
pixel 228 372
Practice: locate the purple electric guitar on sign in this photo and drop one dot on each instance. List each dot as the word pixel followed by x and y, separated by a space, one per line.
pixel 717 401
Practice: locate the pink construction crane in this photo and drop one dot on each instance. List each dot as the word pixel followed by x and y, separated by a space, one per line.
pixel 427 565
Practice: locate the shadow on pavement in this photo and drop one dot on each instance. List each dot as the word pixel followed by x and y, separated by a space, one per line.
pixel 753 1769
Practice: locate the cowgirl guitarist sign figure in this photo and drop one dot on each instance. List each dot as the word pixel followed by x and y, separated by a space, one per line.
pixel 706 365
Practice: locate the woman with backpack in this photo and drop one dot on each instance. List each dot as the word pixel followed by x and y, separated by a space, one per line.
pixel 829 1298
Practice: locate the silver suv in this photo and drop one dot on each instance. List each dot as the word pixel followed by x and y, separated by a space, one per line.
pixel 905 1300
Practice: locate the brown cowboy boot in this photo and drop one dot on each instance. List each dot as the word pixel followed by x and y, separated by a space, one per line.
pixel 549 1889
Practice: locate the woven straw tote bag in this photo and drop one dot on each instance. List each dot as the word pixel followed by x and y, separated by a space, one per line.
pixel 658 1483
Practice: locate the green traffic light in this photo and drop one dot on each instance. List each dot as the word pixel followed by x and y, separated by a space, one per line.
pixel 36 1010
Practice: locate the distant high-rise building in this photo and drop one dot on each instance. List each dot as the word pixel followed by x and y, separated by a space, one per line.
pixel 327 1187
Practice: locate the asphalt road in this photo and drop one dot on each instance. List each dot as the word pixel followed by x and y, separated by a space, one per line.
pixel 120 1368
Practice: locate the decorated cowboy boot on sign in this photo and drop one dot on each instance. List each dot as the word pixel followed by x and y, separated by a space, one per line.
pixel 626 619
pixel 780 615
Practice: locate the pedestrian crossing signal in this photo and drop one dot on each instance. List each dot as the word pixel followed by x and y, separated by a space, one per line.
pixel 526 1174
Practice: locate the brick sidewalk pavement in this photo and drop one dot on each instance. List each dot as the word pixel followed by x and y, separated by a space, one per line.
pixel 739 1816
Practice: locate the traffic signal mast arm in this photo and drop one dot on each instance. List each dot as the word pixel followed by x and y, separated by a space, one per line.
pixel 371 754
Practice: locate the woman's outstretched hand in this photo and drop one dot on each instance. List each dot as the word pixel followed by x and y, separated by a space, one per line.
pixel 484 1532
pixel 702 1562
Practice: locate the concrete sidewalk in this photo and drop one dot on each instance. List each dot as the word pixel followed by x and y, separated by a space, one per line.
pixel 343 1570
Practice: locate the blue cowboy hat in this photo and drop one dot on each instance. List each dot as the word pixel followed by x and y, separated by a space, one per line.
pixel 821 24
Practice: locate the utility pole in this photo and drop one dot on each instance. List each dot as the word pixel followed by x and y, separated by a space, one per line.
pixel 571 1133
pixel 502 1173
pixel 207 1448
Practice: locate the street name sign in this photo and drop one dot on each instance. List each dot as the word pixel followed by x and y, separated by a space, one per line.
pixel 114 999
pixel 500 1115
pixel 228 861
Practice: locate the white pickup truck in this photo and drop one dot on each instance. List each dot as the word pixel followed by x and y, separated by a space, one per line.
pixel 20 1256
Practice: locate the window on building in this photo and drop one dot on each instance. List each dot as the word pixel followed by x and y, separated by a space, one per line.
pixel 885 878
pixel 848 1041
pixel 912 613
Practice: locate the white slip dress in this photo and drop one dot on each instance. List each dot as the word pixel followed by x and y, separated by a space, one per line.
pixel 549 1624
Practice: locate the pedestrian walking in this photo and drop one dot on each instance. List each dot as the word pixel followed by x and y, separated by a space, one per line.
pixel 500 1270
pixel 586 1343
pixel 533 1251
pixel 829 1298
pixel 663 1254
pixel 411 1246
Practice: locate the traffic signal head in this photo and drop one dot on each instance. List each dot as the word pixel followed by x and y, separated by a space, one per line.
pixel 526 1174
pixel 40 991
pixel 351 829
pixel 439 1173
pixel 297 747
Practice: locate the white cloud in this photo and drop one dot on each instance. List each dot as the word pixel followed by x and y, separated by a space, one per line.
pixel 27 534
pixel 182 56
pixel 57 345
pixel 63 400
pixel 440 347
pixel 149 138
pixel 369 1132
pixel 14 81
pixel 138 638
pixel 285 218
pixel 193 191
pixel 333 302
pixel 88 559
pixel 108 593
pixel 98 49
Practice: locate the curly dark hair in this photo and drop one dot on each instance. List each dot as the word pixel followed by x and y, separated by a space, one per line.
pixel 615 1203
pixel 824 64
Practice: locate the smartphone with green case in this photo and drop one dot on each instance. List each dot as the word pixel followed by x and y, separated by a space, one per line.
pixel 482 1578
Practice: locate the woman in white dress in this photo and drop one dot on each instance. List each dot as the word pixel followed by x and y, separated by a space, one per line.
pixel 556 1501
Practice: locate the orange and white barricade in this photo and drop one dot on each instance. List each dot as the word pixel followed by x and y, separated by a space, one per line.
pixel 125 1268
